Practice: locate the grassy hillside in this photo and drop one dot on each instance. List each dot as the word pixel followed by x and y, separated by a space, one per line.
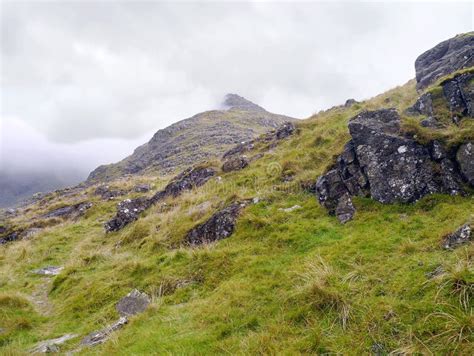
pixel 283 283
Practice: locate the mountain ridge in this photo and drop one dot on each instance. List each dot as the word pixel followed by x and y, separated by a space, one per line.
pixel 202 136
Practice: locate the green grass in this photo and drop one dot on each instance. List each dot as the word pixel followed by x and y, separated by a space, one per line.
pixel 284 283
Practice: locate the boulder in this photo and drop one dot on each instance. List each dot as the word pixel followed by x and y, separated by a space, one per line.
pixel 459 237
pixel 397 168
pixel 133 303
pixel 381 162
pixel 219 226
pixel 235 164
pixel 445 58
pixel 128 210
pixel 465 159
pixel 285 130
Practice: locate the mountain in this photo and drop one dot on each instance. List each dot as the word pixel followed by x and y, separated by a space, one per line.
pixel 205 135
pixel 349 232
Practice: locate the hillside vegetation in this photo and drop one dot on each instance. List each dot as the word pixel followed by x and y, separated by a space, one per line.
pixel 285 282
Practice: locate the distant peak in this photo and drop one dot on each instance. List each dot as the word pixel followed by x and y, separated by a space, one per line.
pixel 234 101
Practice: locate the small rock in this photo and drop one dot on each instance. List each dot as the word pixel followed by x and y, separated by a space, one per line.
pixel 133 303
pixel 457 238
pixel 289 210
pixel 436 272
pixel 48 271
pixel 350 102
pixel 99 337
pixel 50 346
pixel 142 188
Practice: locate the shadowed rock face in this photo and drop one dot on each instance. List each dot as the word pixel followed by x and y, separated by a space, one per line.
pixel 445 58
pixel 382 163
pixel 217 227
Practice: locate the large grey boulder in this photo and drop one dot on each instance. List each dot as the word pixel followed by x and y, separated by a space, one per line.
pixel 465 158
pixel 445 58
pixel 397 168
pixel 381 162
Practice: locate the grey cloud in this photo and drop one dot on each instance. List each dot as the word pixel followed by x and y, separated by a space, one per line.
pixel 81 71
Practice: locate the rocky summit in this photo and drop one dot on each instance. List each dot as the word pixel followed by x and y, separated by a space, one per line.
pixel 445 58
pixel 238 231
pixel 203 136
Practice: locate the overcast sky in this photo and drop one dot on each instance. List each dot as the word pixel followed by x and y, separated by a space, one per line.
pixel 83 83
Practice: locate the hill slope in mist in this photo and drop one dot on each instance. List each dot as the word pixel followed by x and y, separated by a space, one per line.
pixel 350 233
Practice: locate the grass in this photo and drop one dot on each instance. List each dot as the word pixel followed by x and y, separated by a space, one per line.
pixel 284 283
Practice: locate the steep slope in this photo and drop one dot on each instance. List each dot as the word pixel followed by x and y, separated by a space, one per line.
pixel 205 135
pixel 248 261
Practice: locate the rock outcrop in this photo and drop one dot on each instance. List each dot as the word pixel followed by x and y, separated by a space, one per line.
pixel 68 212
pixel 271 138
pixel 106 193
pixel 219 226
pixel 445 58
pixel 382 163
pixel 130 209
pixel 457 238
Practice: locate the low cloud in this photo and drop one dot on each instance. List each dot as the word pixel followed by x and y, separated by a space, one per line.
pixel 82 83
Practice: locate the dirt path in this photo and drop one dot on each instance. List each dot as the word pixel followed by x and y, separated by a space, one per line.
pixel 39 297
